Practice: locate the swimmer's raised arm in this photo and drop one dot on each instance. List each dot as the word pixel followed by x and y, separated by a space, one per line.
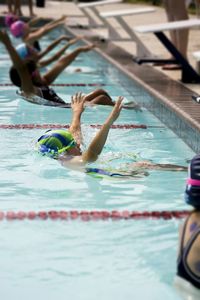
pixel 57 55
pixel 33 36
pixel 77 105
pixel 52 45
pixel 96 146
pixel 26 82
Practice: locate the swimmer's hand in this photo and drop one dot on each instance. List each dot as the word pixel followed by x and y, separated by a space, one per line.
pixel 116 111
pixel 77 103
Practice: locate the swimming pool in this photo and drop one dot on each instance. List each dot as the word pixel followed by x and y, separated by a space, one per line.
pixel 122 259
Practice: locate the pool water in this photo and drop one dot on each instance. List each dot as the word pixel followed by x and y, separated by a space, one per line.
pixel 126 259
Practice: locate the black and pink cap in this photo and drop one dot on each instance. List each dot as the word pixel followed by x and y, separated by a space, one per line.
pixel 192 192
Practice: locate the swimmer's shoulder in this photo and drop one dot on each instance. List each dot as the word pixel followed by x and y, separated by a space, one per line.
pixel 75 162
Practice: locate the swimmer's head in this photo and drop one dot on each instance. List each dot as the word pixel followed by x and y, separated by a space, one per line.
pixel 192 192
pixel 14 75
pixel 19 29
pixel 10 19
pixel 55 142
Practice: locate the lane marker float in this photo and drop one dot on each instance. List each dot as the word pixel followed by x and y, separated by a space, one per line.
pixel 47 126
pixel 63 84
pixel 85 215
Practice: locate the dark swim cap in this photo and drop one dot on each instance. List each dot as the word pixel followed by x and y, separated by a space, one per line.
pixel 192 192
pixel 14 75
pixel 55 142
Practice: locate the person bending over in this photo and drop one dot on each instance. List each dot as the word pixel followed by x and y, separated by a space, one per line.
pixel 188 263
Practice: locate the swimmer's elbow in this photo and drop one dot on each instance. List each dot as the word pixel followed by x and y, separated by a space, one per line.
pixel 89 156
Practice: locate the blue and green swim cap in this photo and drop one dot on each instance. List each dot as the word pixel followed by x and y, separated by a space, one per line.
pixel 55 142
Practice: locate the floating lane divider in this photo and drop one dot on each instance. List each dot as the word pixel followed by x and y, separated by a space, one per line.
pixel 63 84
pixel 57 126
pixel 92 215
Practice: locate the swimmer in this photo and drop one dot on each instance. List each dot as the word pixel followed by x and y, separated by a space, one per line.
pixel 65 146
pixel 25 74
pixel 21 29
pixel 188 263
pixel 27 77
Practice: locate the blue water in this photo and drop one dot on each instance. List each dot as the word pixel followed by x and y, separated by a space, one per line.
pixel 133 259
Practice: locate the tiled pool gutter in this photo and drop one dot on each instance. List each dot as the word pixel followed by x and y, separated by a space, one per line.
pixel 171 101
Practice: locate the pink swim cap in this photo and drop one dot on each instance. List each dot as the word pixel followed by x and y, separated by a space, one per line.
pixel 18 28
pixel 10 19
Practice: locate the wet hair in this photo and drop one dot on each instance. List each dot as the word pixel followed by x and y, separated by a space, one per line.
pixel 14 74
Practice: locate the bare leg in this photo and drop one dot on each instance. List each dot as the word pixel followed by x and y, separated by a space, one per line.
pixel 153 166
pixel 176 11
pixel 17 9
pixel 30 5
pixel 10 6
pixel 66 60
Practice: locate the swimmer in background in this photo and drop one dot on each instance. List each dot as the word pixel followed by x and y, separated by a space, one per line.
pixel 188 263
pixel 26 76
pixel 27 52
pixel 21 29
pixel 65 146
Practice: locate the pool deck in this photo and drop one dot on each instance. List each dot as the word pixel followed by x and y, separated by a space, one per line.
pixel 165 85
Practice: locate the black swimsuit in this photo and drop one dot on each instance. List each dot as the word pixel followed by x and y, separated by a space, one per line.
pixel 183 269
pixel 49 94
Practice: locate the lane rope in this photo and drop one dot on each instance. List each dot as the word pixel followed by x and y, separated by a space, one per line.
pixel 63 84
pixel 85 215
pixel 47 126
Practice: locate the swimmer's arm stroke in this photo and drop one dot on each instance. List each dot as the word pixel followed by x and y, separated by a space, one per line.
pixel 96 146
pixel 52 46
pixel 57 55
pixel 27 85
pixel 77 105
pixel 33 36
